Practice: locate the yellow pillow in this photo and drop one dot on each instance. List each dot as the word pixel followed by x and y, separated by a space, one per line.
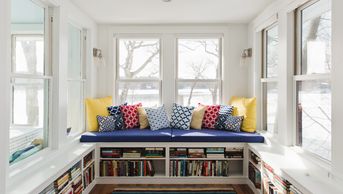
pixel 197 117
pixel 245 107
pixel 94 107
pixel 143 118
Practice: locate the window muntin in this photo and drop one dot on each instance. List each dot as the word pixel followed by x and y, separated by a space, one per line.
pixel 30 82
pixel 76 81
pixel 269 78
pixel 312 85
pixel 138 71
pixel 199 71
pixel 315 39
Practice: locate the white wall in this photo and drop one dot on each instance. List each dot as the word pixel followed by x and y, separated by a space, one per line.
pixel 5 25
pixel 235 77
pixel 282 11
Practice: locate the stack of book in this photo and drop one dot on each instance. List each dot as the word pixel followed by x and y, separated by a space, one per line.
pixel 77 185
pixel 274 183
pixel 88 159
pixel 75 171
pixel 132 153
pixel 215 152
pixel 255 175
pixel 232 152
pixel 67 190
pixel 178 152
pixel 88 175
pixel 49 190
pixel 110 153
pixel 294 190
pixel 196 153
pixel 255 159
pixel 199 168
pixel 61 182
pixel 154 152
pixel 126 168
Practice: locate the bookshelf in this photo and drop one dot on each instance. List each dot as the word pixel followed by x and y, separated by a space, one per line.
pixel 88 169
pixel 72 181
pixel 165 162
pixel 265 179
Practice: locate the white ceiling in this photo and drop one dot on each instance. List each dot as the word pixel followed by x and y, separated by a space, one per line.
pixel 176 11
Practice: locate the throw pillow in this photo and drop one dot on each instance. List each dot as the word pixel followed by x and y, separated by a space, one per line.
pixel 224 110
pixel 130 115
pixel 106 124
pixel 96 107
pixel 181 117
pixel 229 122
pixel 143 118
pixel 157 118
pixel 118 115
pixel 245 107
pixel 197 117
pixel 210 117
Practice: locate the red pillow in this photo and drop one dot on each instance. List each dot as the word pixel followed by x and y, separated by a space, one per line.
pixel 130 115
pixel 210 117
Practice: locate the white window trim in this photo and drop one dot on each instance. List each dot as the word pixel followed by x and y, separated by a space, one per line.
pixel 264 80
pixel 298 77
pixel 82 79
pixel 219 80
pixel 119 80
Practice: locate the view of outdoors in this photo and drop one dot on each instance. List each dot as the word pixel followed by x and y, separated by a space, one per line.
pixel 272 52
pixel 30 90
pixel 198 71
pixel 314 97
pixel 272 104
pixel 139 59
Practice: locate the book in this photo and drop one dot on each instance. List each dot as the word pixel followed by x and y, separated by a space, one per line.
pixel 126 168
pixel 183 168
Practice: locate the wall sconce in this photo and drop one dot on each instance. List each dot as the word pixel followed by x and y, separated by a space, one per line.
pixel 246 56
pixel 98 58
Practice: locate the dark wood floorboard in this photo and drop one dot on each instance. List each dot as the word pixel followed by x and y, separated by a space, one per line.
pixel 107 189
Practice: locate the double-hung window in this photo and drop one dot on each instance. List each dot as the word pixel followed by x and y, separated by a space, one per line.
pixel 199 70
pixel 312 78
pixel 30 81
pixel 138 71
pixel 269 78
pixel 76 79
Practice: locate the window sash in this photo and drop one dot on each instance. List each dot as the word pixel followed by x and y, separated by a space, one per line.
pixel 264 73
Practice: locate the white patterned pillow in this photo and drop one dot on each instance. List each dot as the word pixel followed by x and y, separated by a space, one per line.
pixel 157 118
pixel 181 117
pixel 106 123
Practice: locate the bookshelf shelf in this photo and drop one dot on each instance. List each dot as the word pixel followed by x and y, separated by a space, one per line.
pixel 88 165
pixel 133 159
pixel 209 159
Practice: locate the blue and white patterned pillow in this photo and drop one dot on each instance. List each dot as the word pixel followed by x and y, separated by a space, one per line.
pixel 117 114
pixel 157 118
pixel 181 117
pixel 226 109
pixel 106 124
pixel 229 122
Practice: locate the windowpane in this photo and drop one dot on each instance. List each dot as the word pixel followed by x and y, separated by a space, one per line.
pixel 139 58
pixel 134 92
pixel 74 55
pixel 29 114
pixel 316 39
pixel 314 117
pixel 271 100
pixel 272 43
pixel 192 93
pixel 75 106
pixel 198 58
pixel 29 54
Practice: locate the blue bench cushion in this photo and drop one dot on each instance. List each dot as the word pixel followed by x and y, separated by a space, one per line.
pixel 171 135
pixel 211 135
pixel 129 135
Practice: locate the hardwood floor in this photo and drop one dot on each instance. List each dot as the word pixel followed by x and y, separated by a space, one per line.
pixel 107 189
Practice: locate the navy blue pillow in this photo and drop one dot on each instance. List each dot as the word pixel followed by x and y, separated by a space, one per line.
pixel 106 124
pixel 229 123
pixel 118 115
pixel 181 117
